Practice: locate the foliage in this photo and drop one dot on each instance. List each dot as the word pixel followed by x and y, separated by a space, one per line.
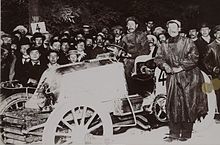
pixel 13 13
pixel 60 15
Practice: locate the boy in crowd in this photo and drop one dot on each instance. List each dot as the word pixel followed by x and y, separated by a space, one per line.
pixel 53 57
pixel 65 46
pixel 80 47
pixel 72 56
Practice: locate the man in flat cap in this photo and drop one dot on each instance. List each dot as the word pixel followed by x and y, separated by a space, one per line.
pixel 202 44
pixel 117 34
pixel 212 63
pixel 135 44
pixel 86 29
pixel 149 26
pixel 185 99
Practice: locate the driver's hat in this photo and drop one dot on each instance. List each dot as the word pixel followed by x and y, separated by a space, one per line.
pixel 174 21
pixel 132 18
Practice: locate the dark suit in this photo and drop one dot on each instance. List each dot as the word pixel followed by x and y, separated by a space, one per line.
pixel 63 58
pixel 34 71
pixel 96 51
pixel 20 70
pixel 212 62
pixel 202 47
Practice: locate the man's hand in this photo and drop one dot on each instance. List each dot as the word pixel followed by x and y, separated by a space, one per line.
pixel 216 70
pixel 177 69
pixel 168 69
pixel 32 81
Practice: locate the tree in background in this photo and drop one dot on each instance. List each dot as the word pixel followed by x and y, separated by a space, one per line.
pixel 60 15
pixel 13 13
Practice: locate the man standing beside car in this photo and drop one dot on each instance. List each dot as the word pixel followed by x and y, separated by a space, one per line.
pixel 186 101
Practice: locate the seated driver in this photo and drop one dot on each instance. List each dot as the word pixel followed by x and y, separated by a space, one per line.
pixel 136 44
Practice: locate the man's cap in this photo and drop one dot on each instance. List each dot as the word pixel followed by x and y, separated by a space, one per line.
pixel 86 26
pixel 38 35
pixel 174 21
pixel 101 34
pixel 5 35
pixel 117 27
pixel 204 25
pixel 52 51
pixel 216 28
pixel 32 48
pixel 158 31
pixel 146 22
pixel 132 18
pixel 25 41
pixel 79 41
pixel 19 28
pixel 64 40
pixel 15 40
pixel 72 52
pixel 193 27
pixel 152 39
pixel 89 36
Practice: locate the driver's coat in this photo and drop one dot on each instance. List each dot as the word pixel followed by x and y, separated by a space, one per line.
pixel 186 101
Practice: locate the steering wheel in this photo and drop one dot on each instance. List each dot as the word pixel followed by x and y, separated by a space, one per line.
pixel 120 53
pixel 144 70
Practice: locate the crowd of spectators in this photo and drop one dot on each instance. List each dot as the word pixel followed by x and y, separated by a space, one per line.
pixel 25 56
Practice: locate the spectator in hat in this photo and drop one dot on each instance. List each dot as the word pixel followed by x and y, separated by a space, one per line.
pixel 55 45
pixel 202 44
pixel 212 63
pixel 34 68
pixel 79 35
pixel 86 30
pixel 105 31
pixel 193 35
pixel 6 61
pixel 14 54
pixel 186 101
pixel 117 34
pixel 38 42
pixel 99 45
pixel 160 33
pixel 7 40
pixel 28 35
pixel 8 58
pixel 80 47
pixel 149 26
pixel 38 39
pixel 65 35
pixel 153 45
pixel 21 29
pixel 89 45
pixel 65 46
pixel 22 58
pixel 17 34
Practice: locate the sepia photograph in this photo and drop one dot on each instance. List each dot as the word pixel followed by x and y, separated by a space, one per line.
pixel 110 72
